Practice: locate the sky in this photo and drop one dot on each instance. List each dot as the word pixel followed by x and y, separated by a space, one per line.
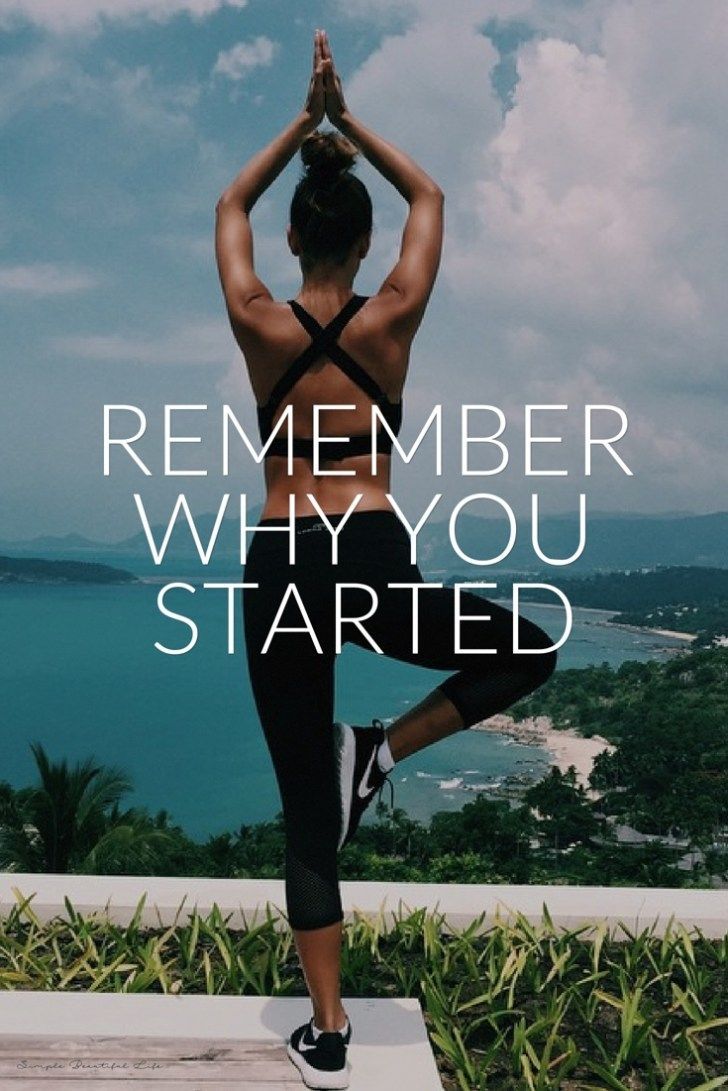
pixel 584 157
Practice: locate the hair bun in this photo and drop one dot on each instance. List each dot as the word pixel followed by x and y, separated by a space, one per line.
pixel 326 156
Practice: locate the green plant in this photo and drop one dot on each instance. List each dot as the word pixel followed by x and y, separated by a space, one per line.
pixel 510 1004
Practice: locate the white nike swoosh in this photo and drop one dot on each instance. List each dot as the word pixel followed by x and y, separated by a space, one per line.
pixel 302 1047
pixel 364 786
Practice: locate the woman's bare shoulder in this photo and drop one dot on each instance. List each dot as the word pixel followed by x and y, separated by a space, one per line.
pixel 265 321
pixel 389 315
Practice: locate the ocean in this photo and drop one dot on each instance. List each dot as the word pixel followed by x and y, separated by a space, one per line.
pixel 79 673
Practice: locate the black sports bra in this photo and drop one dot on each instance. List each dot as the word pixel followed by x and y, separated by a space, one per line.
pixel 324 343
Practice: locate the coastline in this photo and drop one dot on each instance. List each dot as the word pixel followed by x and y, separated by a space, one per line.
pixel 674 633
pixel 566 747
pixel 611 620
pixel 671 634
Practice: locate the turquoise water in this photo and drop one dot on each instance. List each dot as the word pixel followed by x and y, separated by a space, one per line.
pixel 79 672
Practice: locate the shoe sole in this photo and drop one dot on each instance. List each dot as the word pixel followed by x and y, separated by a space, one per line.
pixel 346 758
pixel 314 1077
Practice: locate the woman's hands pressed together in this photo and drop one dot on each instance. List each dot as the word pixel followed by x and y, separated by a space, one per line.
pixel 410 281
pixel 314 107
pixel 325 96
pixel 334 94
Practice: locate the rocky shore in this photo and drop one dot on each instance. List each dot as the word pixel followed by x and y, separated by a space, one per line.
pixel 566 747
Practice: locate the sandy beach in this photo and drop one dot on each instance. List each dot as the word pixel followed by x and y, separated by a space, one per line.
pixel 673 634
pixel 566 747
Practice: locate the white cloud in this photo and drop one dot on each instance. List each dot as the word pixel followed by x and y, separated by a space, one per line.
pixel 50 74
pixel 161 110
pixel 574 219
pixel 586 227
pixel 45 279
pixel 438 102
pixel 244 57
pixel 25 79
pixel 200 342
pixel 65 15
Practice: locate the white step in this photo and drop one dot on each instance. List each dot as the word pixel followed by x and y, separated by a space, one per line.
pixel 60 1032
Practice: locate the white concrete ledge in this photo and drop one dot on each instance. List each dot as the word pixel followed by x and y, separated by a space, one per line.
pixel 244 899
pixel 389 1049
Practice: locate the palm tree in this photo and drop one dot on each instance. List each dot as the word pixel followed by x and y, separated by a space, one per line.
pixel 71 821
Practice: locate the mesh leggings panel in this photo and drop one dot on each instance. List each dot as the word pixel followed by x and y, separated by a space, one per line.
pixel 312 892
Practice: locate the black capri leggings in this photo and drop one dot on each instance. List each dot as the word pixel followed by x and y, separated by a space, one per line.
pixel 293 682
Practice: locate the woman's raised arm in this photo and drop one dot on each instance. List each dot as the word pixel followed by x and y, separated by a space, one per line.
pixel 233 234
pixel 413 276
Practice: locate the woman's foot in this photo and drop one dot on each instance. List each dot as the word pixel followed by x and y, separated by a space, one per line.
pixel 360 775
pixel 320 1055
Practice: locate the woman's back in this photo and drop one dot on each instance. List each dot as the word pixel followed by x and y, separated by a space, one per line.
pixel 330 394
pixel 329 347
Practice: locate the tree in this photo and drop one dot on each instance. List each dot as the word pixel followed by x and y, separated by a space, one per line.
pixel 564 808
pixel 71 821
pixel 487 827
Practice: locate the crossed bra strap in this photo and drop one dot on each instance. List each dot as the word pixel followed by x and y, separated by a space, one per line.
pixel 324 343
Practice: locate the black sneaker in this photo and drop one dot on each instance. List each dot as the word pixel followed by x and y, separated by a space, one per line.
pixel 359 775
pixel 321 1060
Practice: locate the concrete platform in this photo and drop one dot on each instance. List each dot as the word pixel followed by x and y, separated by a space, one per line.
pixel 570 906
pixel 51 1041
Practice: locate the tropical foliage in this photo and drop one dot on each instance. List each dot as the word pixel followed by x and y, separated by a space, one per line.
pixel 669 773
pixel 661 779
pixel 71 821
pixel 509 1005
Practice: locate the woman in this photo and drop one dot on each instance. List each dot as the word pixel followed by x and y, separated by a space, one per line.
pixel 332 347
